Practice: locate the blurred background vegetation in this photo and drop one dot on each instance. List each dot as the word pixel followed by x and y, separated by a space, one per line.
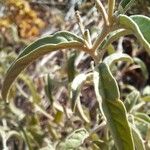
pixel 39 111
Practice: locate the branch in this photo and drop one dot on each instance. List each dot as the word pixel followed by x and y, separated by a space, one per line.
pixel 100 38
pixel 102 10
pixel 111 6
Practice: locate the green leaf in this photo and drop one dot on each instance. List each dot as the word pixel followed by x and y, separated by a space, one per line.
pixel 113 36
pixel 48 89
pixel 140 26
pixel 108 86
pixel 142 67
pixel 60 40
pixel 74 140
pixel 115 57
pixel 113 109
pixel 143 23
pixel 146 98
pixel 35 95
pixel 125 5
pixel 75 94
pixel 138 141
pixel 143 116
pixel 131 100
pixel 71 66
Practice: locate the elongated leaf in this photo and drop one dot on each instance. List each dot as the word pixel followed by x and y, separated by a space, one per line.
pixel 144 117
pixel 76 87
pixel 30 84
pixel 139 143
pixel 115 57
pixel 131 100
pixel 140 26
pixel 142 67
pixel 113 109
pixel 143 23
pixel 108 86
pixel 125 5
pixel 71 66
pixel 146 90
pixel 146 98
pixel 48 90
pixel 113 36
pixel 74 140
pixel 75 94
pixel 37 49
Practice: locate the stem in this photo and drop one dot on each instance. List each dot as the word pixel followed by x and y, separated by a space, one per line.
pixel 100 38
pixel 79 20
pixel 102 10
pixel 111 6
pixel 98 128
pixel 26 137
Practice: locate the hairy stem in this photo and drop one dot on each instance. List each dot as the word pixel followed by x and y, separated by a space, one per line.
pixel 100 38
pixel 111 6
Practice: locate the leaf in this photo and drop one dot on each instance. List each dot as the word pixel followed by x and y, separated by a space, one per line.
pixel 48 89
pixel 113 36
pixel 37 49
pixel 113 109
pixel 146 90
pixel 131 100
pixel 138 141
pixel 74 140
pixel 115 57
pixel 75 94
pixel 71 66
pixel 108 87
pixel 146 98
pixel 143 23
pixel 140 26
pixel 143 116
pixel 142 67
pixel 76 87
pixel 35 95
pixel 125 5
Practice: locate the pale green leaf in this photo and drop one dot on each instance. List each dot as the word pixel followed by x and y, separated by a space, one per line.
pixel 146 98
pixel 74 140
pixel 108 86
pixel 142 67
pixel 143 116
pixel 35 95
pixel 146 90
pixel 140 26
pixel 125 5
pixel 48 89
pixel 113 36
pixel 143 23
pixel 114 109
pixel 115 57
pixel 131 100
pixel 75 94
pixel 37 49
pixel 71 66
pixel 138 141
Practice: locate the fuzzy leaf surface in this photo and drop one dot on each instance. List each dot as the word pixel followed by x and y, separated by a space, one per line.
pixel 74 140
pixel 115 57
pixel 60 40
pixel 113 109
pixel 140 26
pixel 125 5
